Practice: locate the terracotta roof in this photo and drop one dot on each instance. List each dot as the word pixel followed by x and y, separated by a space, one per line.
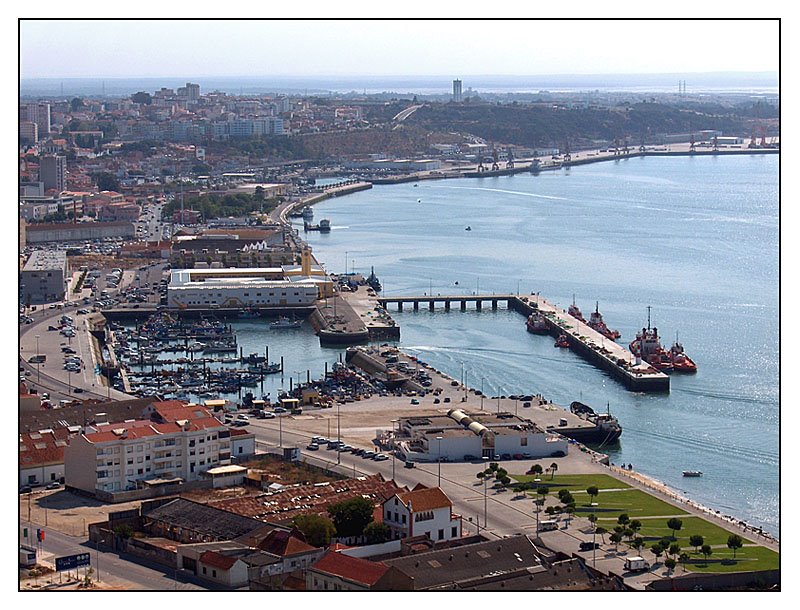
pixel 215 560
pixel 42 448
pixel 351 568
pixel 425 499
pixel 283 543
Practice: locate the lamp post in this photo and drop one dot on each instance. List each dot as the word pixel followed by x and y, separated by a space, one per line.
pixel 345 262
pixel 338 433
pixel 439 459
pixel 482 379
pixel 485 505
pixel 394 457
pixel 38 372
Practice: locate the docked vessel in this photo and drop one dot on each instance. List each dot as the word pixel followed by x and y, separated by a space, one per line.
pixel 562 341
pixel 307 213
pixel 681 363
pixel 536 324
pixel 647 346
pixel 575 311
pixel 247 313
pixel 284 322
pixel 324 225
pixel 606 427
pixel 596 322
pixel 373 281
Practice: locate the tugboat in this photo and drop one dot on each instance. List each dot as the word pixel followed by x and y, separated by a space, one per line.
pixel 562 341
pixel 536 324
pixel 324 226
pixel 647 346
pixel 596 322
pixel 575 312
pixel 373 281
pixel 681 363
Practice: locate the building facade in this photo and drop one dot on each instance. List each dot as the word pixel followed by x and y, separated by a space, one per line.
pixel 422 512
pixel 43 277
pixel 53 172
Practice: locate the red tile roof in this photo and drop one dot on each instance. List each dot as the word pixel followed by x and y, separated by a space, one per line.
pixel 425 499
pixel 351 568
pixel 215 560
pixel 283 543
pixel 41 449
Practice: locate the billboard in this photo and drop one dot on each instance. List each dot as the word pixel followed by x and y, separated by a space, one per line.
pixel 70 562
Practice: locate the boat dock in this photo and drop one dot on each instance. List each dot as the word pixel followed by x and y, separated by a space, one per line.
pixel 583 340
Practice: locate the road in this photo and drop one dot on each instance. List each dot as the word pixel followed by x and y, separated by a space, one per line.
pixel 111 569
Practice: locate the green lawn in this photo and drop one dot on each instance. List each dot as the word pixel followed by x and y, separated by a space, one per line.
pixel 749 558
pixel 573 482
pixel 611 504
pixel 655 529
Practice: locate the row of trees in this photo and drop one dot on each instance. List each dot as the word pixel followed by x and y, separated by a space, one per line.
pixel 350 518
pixel 216 206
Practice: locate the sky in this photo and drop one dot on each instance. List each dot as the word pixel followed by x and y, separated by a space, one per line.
pixel 149 48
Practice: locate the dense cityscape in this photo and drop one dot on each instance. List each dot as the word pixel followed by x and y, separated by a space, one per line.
pixel 214 396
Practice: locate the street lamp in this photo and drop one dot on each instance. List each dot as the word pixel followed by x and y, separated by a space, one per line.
pixel 485 505
pixel 38 359
pixel 394 456
pixel 338 433
pixel 439 459
pixel 482 380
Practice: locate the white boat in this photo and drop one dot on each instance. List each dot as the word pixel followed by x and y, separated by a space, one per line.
pixel 283 322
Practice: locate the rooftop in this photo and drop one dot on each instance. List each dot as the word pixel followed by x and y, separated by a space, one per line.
pixel 351 568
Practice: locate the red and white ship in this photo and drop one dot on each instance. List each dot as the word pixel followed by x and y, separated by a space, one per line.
pixel 596 322
pixel 681 363
pixel 575 311
pixel 536 324
pixel 647 346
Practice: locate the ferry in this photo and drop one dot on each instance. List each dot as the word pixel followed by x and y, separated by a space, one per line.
pixel 536 324
pixel 575 311
pixel 596 322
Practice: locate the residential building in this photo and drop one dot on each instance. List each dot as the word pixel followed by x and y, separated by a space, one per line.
pixel 53 172
pixel 337 572
pixel 43 277
pixel 457 95
pixel 423 511
pixel 178 443
pixel 41 455
pixel 28 132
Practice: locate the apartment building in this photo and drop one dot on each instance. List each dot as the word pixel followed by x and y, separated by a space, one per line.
pixel 178 443
pixel 43 276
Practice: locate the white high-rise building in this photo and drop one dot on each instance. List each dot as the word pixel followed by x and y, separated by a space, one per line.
pixel 457 97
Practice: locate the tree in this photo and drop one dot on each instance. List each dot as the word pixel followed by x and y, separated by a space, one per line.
pixel 674 549
pixel 674 524
pixel 553 468
pixel 142 97
pixel 317 529
pixel 569 510
pixel 75 104
pixel 706 550
pixel 670 564
pixel 637 543
pixel 536 469
pixel 505 480
pixel 602 532
pixel 107 182
pixel 377 533
pixel 616 538
pixel 481 475
pixel 542 491
pixel 696 541
pixel 493 466
pixel 684 557
pixel 735 542
pixel 351 516
pixel 628 533
pixel 656 549
pixel 635 525
pixel 593 492
pixel 623 519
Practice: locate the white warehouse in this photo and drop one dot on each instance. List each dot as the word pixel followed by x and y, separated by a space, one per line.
pixel 460 436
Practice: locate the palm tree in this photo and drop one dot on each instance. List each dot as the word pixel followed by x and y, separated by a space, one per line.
pixel 553 468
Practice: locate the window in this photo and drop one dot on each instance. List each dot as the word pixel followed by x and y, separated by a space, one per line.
pixel 129 450
pixel 404 519
pixel 441 534
pixel 130 460
pixel 523 441
pixel 140 471
pixel 388 515
pixel 240 449
pixel 454 532
pixel 214 573
pixel 204 570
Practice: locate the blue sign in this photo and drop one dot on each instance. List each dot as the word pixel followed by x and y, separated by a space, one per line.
pixel 72 561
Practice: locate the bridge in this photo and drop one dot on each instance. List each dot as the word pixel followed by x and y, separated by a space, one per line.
pixel 512 301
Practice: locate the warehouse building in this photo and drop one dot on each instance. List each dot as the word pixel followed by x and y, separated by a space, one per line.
pixel 43 277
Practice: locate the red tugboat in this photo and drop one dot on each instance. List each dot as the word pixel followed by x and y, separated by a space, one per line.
pixel 562 341
pixel 647 346
pixel 575 312
pixel 596 322
pixel 536 324
pixel 681 363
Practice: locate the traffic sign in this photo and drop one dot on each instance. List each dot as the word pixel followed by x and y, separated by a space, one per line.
pixel 72 561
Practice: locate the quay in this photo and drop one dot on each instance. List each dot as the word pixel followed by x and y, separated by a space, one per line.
pixel 583 340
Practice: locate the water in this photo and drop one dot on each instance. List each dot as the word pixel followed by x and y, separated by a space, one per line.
pixel 695 238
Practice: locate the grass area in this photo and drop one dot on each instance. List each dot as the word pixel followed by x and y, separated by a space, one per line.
pixel 634 502
pixel 573 482
pixel 656 529
pixel 749 558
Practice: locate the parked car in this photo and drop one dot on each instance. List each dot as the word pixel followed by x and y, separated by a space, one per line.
pixel 312 447
pixel 53 485
pixel 381 457
pixel 409 465
pixel 589 546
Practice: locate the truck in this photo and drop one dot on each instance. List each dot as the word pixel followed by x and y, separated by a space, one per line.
pixel 636 564
pixel 545 526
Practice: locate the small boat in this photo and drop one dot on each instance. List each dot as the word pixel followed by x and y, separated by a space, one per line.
pixel 254 359
pixel 692 473
pixel 469 228
pixel 416 185
pixel 196 346
pixel 307 213
pixel 681 363
pixel 324 225
pixel 283 322
pixel 373 281
pixel 536 324
pixel 248 312
pixel 575 311
pixel 562 341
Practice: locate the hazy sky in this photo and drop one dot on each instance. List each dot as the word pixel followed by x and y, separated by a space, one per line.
pixel 118 48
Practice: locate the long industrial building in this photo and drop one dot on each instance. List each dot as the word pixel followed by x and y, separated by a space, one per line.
pixel 460 436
